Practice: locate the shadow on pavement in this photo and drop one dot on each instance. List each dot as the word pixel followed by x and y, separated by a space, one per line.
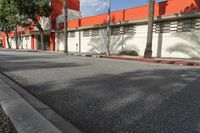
pixel 154 101
pixel 34 63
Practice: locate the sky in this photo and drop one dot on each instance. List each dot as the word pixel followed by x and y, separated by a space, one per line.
pixel 94 7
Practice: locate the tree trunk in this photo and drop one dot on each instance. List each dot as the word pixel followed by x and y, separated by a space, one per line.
pixel 16 37
pixel 38 25
pixel 148 49
pixel 7 38
pixel 42 40
pixel 65 26
pixel 108 29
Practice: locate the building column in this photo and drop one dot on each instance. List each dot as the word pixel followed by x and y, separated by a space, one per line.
pixel 79 32
pixel 4 42
pixel 32 42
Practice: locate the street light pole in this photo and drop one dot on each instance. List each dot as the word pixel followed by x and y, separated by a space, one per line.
pixel 148 49
pixel 65 26
pixel 108 29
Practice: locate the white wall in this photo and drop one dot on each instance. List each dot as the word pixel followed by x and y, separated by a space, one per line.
pixel 12 43
pixel 36 42
pixel 74 43
pixel 59 41
pixel 137 41
pixel 172 43
pixel 181 45
pixel 25 43
pixel 118 42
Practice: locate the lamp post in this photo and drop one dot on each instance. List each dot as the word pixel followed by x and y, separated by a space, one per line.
pixel 108 29
pixel 148 49
pixel 65 26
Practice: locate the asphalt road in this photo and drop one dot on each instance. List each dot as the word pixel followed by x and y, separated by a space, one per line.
pixel 110 96
pixel 5 124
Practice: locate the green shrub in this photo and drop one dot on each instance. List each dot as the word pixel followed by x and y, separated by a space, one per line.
pixel 129 52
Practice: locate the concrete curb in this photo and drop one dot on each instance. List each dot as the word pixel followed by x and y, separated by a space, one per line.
pixel 27 113
pixel 161 61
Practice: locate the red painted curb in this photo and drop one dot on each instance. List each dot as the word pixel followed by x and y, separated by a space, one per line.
pixel 176 62
pixel 167 62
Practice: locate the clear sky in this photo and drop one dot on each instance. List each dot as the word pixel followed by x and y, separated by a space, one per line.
pixel 94 7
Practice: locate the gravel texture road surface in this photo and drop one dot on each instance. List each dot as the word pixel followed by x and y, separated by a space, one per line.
pixel 6 125
pixel 111 96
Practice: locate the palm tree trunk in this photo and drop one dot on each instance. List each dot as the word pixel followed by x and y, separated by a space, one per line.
pixel 108 29
pixel 148 49
pixel 65 26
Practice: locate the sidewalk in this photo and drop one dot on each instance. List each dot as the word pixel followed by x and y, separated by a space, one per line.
pixel 27 113
pixel 182 62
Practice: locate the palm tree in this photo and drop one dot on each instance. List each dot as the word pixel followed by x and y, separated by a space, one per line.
pixel 108 29
pixel 65 26
pixel 148 49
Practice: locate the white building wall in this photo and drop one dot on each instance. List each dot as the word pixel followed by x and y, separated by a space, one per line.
pixel 57 37
pixel 88 44
pixel 173 45
pixel 173 41
pixel 181 45
pixel 20 41
pixel 93 44
pixel 137 41
pixel 74 43
pixel 60 41
pixel 24 43
pixel 12 43
pixel 36 43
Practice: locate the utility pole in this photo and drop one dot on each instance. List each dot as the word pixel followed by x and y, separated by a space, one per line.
pixel 108 29
pixel 148 49
pixel 65 26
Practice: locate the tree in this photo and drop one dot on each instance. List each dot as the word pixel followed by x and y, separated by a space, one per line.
pixel 148 49
pixel 65 25
pixel 32 9
pixel 8 18
pixel 108 29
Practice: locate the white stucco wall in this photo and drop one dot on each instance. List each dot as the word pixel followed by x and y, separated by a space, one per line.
pixel 12 43
pixel 24 43
pixel 60 41
pixel 173 44
pixel 27 42
pixel 181 45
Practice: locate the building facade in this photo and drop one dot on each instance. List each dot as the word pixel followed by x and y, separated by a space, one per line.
pixel 176 30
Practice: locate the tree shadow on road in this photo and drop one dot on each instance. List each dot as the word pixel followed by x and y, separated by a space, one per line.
pixel 11 63
pixel 153 101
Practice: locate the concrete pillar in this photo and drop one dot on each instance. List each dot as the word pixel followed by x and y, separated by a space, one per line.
pixel 4 42
pixel 32 42
pixel 52 41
